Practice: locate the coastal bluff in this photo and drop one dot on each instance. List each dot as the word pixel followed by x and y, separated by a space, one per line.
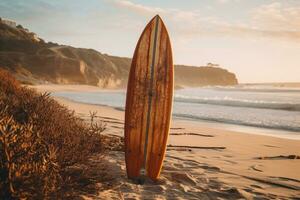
pixel 34 61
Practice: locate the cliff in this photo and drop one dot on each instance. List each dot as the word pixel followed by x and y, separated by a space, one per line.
pixel 32 60
pixel 190 76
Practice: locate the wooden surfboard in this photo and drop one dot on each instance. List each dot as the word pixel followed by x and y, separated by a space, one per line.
pixel 149 102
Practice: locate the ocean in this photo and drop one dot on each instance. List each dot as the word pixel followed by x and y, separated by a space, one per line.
pixel 261 109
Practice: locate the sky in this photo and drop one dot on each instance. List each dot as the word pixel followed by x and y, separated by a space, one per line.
pixel 258 40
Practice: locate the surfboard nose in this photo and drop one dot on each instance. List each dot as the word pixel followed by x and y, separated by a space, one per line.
pixel 156 17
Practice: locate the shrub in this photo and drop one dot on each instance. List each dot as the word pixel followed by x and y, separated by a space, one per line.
pixel 8 85
pixel 26 160
pixel 39 139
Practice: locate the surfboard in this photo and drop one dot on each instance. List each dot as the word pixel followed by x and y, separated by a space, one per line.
pixel 149 102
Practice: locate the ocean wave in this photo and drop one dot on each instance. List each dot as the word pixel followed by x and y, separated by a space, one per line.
pixel 239 122
pixel 257 89
pixel 227 101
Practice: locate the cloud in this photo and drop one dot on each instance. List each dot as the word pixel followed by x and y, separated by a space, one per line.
pixel 173 14
pixel 223 1
pixel 28 10
pixel 266 21
pixel 139 8
pixel 227 1
pixel 276 16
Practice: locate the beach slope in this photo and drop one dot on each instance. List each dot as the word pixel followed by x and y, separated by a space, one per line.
pixel 201 162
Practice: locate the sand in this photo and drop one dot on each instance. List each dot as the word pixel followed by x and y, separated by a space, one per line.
pixel 201 162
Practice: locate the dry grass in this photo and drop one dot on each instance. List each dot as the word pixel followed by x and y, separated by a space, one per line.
pixel 39 140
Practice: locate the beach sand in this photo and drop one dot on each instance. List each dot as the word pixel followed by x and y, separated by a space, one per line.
pixel 201 162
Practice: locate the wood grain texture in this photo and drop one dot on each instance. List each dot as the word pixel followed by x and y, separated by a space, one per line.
pixel 149 101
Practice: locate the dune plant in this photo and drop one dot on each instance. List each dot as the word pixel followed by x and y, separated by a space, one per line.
pixel 39 140
pixel 28 164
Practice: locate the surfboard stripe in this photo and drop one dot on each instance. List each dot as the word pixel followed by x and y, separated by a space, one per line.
pixel 156 116
pixel 154 46
pixel 155 104
pixel 161 118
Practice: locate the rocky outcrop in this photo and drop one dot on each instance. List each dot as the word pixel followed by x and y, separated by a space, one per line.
pixel 34 61
pixel 189 76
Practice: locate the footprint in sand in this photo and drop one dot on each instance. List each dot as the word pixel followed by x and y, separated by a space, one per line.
pixel 256 168
pixel 210 168
pixel 256 186
pixel 231 162
pixel 228 156
pixel 191 164
pixel 168 168
pixel 155 188
pixel 183 178
pixel 178 165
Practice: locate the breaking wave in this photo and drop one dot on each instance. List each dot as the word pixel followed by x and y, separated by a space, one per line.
pixel 227 101
pixel 239 122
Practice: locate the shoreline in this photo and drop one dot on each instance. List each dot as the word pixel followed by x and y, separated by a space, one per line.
pixel 198 123
pixel 238 127
pixel 241 129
